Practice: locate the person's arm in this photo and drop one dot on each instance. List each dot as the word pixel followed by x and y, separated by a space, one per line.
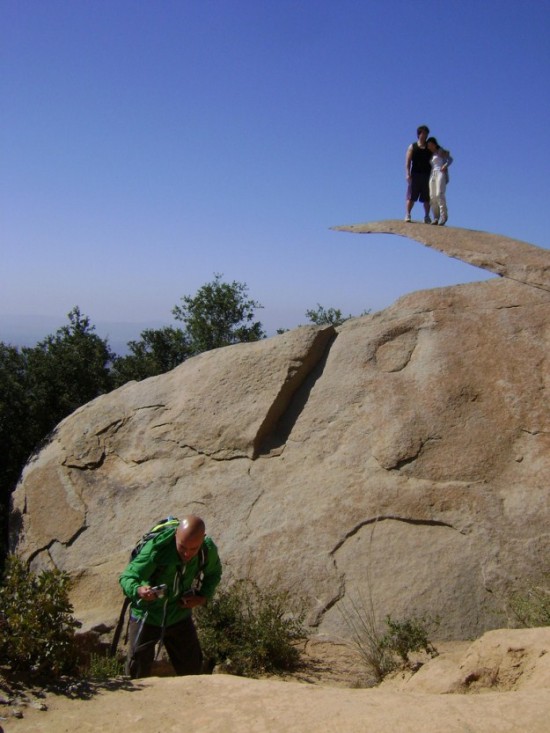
pixel 133 579
pixel 448 160
pixel 408 162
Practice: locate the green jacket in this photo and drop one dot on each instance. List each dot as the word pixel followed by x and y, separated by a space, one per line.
pixel 158 563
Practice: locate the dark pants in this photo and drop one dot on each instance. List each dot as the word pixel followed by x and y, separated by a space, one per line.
pixel 180 640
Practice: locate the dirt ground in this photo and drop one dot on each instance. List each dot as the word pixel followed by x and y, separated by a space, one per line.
pixel 332 689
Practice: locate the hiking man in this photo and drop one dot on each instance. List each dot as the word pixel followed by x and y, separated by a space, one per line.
pixel 176 571
pixel 417 172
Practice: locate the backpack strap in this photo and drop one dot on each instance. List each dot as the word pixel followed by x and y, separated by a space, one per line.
pixel 199 576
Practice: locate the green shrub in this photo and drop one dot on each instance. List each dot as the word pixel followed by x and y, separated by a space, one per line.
pixel 360 618
pixel 102 667
pixel 404 637
pixel 531 606
pixel 250 630
pixel 36 625
pixel 383 650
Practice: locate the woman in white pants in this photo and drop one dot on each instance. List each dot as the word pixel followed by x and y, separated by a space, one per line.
pixel 441 160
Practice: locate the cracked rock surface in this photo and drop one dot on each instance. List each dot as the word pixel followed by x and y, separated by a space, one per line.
pixel 401 459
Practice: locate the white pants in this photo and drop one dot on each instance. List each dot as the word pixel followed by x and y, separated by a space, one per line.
pixel 438 200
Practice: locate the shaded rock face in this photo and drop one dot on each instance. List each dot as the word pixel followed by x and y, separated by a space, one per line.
pixel 400 461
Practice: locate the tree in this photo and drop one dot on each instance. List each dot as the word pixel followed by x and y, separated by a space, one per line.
pixel 330 317
pixel 41 385
pixel 219 315
pixel 66 370
pixel 13 429
pixel 13 411
pixel 322 317
pixel 158 351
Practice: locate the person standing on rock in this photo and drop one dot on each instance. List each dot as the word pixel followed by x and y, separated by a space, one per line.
pixel 441 160
pixel 417 171
pixel 174 572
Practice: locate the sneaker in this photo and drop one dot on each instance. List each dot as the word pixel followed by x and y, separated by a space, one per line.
pixel 442 222
pixel 435 222
pixel 408 218
pixel 427 220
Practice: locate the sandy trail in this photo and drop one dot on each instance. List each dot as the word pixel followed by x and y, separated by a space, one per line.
pixel 223 703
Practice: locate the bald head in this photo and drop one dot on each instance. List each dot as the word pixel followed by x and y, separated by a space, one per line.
pixel 189 537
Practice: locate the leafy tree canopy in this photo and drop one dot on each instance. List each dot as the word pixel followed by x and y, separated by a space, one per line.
pixel 66 370
pixel 326 317
pixel 219 314
pixel 321 316
pixel 40 386
pixel 158 351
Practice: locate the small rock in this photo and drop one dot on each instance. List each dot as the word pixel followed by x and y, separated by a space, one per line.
pixel 39 705
pixel 225 667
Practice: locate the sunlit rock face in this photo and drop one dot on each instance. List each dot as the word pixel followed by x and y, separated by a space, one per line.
pixel 400 462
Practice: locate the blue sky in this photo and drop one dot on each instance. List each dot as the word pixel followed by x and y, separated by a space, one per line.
pixel 147 145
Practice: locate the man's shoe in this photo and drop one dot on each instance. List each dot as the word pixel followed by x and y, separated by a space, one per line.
pixel 408 218
pixel 427 220
pixel 435 222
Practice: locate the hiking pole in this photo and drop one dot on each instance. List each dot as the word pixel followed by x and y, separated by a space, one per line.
pixel 118 628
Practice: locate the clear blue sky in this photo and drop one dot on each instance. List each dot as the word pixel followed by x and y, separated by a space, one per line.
pixel 147 145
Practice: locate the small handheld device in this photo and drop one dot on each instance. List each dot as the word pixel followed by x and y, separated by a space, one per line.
pixel 159 590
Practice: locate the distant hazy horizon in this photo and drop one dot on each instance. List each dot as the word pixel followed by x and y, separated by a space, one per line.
pixel 27 330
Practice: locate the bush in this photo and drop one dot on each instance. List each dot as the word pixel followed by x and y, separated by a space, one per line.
pixel 360 618
pixel 36 625
pixel 405 637
pixel 250 630
pixel 102 667
pixel 382 651
pixel 531 606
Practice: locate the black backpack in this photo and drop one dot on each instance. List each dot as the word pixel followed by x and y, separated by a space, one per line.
pixel 157 529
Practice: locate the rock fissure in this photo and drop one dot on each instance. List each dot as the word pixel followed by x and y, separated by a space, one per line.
pixel 293 397
pixel 412 457
pixel 113 427
pixel 253 504
pixel 86 465
pixel 130 461
pixel 46 548
pixel 337 596
pixel 159 406
pixel 395 518
pixel 404 462
pixel 215 455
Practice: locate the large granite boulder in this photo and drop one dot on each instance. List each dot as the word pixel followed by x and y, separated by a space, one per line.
pixel 401 460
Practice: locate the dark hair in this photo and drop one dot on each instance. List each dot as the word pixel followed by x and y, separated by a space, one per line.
pixel 421 128
pixel 434 141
